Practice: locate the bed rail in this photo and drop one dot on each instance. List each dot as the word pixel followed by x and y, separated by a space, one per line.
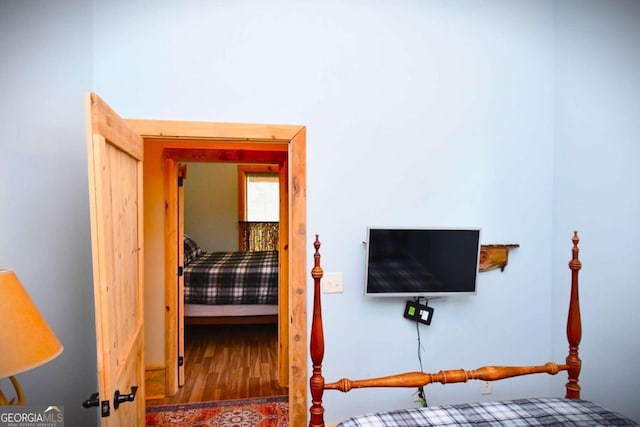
pixel 417 379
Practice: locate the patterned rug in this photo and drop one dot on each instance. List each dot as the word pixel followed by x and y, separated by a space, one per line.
pixel 258 412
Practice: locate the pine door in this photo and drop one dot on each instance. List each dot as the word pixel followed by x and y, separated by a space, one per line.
pixel 116 206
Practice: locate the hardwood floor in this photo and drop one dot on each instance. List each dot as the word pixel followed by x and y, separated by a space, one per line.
pixel 228 362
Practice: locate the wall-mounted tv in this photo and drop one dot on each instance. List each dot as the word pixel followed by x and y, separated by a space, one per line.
pixel 421 262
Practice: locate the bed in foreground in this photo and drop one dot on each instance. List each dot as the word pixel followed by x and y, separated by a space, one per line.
pixel 568 411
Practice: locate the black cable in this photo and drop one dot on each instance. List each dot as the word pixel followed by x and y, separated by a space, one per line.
pixel 419 342
pixel 421 393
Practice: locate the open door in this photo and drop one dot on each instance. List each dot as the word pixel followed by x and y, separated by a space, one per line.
pixel 116 205
pixel 182 176
pixel 175 174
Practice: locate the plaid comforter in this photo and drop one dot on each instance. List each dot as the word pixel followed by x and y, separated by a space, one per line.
pixel 232 278
pixel 525 412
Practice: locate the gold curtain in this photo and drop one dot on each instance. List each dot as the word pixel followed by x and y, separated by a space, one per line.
pixel 259 236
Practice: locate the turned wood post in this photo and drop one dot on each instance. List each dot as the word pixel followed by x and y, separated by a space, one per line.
pixel 317 345
pixel 574 325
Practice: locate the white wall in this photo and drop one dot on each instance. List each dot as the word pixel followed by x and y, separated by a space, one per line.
pixel 211 205
pixel 417 113
pixel 597 191
pixel 45 68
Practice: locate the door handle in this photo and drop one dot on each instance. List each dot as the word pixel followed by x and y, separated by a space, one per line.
pixel 122 398
pixel 92 401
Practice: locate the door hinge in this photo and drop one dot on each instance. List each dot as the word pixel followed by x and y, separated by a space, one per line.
pixel 180 181
pixel 180 271
pixel 180 361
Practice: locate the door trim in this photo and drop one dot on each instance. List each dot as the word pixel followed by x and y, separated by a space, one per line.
pixel 244 142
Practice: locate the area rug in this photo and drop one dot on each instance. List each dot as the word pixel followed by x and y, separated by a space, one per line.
pixel 257 412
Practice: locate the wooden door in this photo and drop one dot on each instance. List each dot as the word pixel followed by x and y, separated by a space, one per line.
pixel 175 174
pixel 182 176
pixel 174 287
pixel 115 192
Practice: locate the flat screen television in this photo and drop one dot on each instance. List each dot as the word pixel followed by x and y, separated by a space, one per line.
pixel 421 262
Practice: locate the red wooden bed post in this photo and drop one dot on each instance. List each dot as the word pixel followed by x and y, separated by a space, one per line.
pixel 574 325
pixel 317 345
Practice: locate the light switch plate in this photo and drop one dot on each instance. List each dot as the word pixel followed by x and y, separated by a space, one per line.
pixel 333 283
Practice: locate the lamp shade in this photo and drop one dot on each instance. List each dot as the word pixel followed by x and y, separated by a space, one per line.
pixel 26 340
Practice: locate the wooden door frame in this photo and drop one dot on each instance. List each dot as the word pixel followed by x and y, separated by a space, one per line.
pixel 248 143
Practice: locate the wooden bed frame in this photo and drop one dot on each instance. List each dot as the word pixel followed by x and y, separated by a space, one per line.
pixel 417 379
pixel 201 314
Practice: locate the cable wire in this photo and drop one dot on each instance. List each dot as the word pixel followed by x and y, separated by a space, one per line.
pixel 421 393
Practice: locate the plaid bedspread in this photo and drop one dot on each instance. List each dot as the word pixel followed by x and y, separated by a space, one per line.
pixel 232 278
pixel 524 412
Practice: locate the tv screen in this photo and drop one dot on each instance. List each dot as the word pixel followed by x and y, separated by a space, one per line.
pixel 421 262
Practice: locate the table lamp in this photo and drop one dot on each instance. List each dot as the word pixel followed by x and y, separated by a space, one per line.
pixel 26 340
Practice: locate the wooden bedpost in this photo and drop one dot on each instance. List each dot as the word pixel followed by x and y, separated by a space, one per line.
pixel 574 325
pixel 317 345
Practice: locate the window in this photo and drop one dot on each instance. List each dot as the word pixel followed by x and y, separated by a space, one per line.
pixel 262 194
pixel 258 207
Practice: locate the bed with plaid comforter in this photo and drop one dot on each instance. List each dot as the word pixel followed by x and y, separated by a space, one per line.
pixel 524 412
pixel 216 278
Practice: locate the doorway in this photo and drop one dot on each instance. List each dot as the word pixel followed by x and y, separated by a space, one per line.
pixel 193 141
pixel 253 277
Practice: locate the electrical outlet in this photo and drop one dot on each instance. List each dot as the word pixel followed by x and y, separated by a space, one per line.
pixel 486 387
pixel 332 283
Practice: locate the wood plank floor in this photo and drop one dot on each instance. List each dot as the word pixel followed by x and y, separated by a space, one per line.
pixel 228 362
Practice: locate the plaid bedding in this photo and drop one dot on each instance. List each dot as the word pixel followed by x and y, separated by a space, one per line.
pixel 232 278
pixel 524 412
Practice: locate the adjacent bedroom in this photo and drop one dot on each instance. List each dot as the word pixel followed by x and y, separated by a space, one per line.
pixel 229 220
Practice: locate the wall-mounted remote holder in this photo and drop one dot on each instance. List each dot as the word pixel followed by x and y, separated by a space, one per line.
pixel 418 312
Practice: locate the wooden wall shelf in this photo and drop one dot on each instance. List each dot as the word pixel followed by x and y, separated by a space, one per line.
pixel 495 256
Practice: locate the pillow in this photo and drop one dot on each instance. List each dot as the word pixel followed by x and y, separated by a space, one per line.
pixel 191 250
